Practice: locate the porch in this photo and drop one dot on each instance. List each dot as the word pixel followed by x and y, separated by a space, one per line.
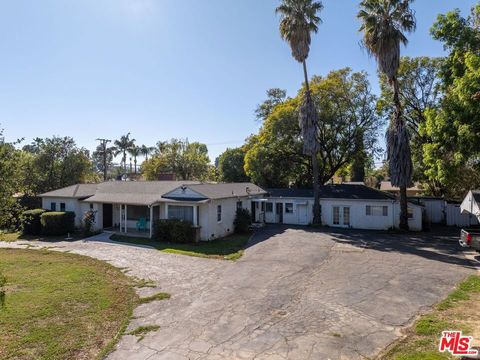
pixel 138 220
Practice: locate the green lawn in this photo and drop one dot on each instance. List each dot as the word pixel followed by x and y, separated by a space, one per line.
pixel 61 306
pixel 459 311
pixel 14 236
pixel 229 248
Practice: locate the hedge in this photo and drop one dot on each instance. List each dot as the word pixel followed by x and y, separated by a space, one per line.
pixel 57 223
pixel 30 221
pixel 173 230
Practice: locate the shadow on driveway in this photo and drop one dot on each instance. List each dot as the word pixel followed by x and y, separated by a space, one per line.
pixel 440 244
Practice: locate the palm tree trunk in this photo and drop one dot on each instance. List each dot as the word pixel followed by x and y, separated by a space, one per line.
pixel 403 189
pixel 317 219
pixel 135 162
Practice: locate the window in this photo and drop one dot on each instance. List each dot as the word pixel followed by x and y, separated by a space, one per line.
pixel 91 206
pixel 239 205
pixel 336 215
pixel 376 210
pixel 346 216
pixel 62 206
pixel 262 206
pixel 288 208
pixel 137 212
pixel 269 207
pixel 184 213
pixel 219 213
pixel 410 213
pixel 53 206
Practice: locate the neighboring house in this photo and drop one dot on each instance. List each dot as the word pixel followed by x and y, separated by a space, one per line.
pixel 415 190
pixel 342 205
pixel 471 204
pixel 121 204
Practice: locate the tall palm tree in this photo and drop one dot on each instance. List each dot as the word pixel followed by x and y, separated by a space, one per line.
pixel 135 151
pixel 384 23
pixel 147 150
pixel 298 19
pixel 122 145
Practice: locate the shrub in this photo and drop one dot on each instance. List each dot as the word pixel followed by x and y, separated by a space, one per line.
pixel 173 230
pixel 57 223
pixel 88 221
pixel 30 221
pixel 242 221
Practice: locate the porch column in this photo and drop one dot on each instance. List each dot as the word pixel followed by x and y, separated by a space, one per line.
pixel 195 215
pixel 126 225
pixel 166 211
pixel 120 212
pixel 151 220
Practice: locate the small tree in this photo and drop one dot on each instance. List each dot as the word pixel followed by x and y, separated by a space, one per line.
pixel 242 221
pixel 88 221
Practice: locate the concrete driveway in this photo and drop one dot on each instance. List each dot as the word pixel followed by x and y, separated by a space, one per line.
pixel 295 294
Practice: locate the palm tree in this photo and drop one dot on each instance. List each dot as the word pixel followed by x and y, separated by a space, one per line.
pixel 298 19
pixel 134 151
pixel 147 150
pixel 122 145
pixel 384 23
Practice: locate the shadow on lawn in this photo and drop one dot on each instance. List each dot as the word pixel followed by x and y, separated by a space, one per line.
pixel 440 244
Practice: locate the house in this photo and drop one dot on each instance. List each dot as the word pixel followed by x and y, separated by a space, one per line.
pixel 342 205
pixel 119 205
pixel 387 186
pixel 471 205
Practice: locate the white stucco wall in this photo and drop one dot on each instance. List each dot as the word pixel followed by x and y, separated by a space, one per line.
pixel 78 207
pixel 303 213
pixel 70 205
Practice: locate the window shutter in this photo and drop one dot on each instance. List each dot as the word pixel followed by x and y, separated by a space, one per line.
pixel 369 211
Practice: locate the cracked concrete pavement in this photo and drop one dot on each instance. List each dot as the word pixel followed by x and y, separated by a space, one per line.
pixel 297 293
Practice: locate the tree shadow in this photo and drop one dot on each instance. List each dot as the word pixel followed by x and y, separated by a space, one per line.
pixel 439 244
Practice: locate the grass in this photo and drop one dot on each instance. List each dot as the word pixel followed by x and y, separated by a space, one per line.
pixel 141 331
pixel 460 310
pixel 61 306
pixel 228 248
pixel 16 236
pixel 158 296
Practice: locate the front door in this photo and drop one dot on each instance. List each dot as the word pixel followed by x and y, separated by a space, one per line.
pixel 107 216
pixel 341 216
pixel 302 214
pixel 279 212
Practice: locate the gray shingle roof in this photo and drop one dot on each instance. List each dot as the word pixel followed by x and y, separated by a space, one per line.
pixel 150 192
pixel 225 190
pixel 78 191
pixel 335 191
pixel 134 192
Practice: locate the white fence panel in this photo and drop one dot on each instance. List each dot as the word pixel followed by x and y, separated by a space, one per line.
pixel 456 218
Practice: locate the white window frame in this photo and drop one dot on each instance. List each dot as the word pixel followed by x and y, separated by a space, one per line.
pixel 286 208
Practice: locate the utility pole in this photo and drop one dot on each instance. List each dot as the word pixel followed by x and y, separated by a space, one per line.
pixel 104 143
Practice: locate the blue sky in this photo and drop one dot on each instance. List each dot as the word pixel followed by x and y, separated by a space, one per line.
pixel 164 69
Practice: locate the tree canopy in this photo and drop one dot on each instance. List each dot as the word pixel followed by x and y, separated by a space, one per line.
pixel 188 161
pixel 346 106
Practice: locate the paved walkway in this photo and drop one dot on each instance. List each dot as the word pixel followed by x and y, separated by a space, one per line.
pixel 295 294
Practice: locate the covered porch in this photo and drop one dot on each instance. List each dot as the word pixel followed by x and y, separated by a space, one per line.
pixel 138 220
